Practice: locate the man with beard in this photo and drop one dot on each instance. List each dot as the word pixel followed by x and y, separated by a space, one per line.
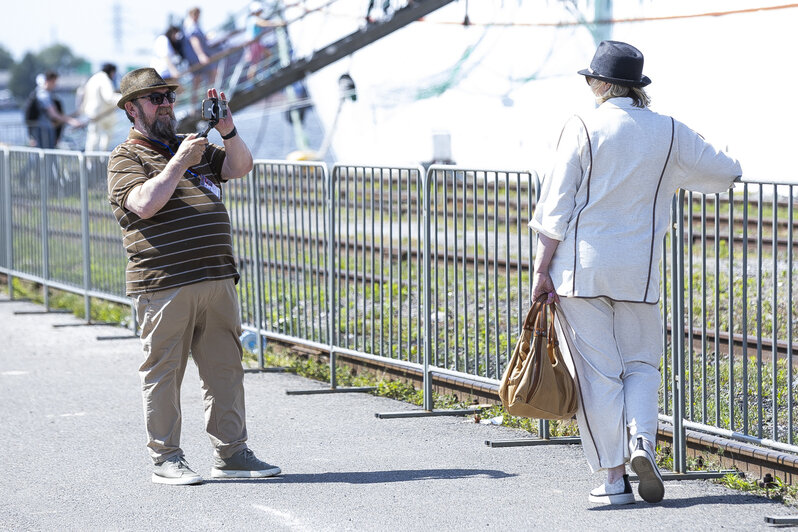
pixel 166 193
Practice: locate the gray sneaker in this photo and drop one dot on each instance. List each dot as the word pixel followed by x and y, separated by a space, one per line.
pixel 175 470
pixel 243 464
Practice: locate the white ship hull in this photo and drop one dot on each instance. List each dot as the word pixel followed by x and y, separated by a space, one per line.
pixel 503 91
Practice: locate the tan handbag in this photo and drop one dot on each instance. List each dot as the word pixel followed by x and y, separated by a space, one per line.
pixel 537 383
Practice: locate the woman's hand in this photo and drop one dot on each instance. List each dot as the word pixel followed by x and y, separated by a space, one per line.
pixel 541 282
pixel 541 285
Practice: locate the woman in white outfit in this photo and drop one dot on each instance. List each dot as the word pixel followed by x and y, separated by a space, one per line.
pixel 603 212
pixel 99 106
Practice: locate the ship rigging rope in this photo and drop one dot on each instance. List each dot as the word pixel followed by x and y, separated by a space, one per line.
pixel 471 22
pixel 307 11
pixel 615 20
pixel 454 75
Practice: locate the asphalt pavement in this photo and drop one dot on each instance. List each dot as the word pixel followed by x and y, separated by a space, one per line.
pixel 74 457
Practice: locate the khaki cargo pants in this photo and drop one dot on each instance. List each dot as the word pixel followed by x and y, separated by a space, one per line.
pixel 202 319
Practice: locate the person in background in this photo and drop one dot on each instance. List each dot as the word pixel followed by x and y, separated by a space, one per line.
pixel 197 51
pixel 98 104
pixel 168 53
pixel 166 193
pixel 258 27
pixel 46 128
pixel 386 9
pixel 603 212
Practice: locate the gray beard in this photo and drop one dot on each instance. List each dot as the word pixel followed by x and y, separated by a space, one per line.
pixel 159 128
pixel 164 129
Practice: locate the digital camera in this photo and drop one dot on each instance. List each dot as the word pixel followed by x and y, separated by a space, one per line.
pixel 214 109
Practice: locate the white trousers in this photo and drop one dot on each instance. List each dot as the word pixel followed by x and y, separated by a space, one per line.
pixel 98 134
pixel 616 348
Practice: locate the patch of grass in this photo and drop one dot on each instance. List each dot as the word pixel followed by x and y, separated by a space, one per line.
pixel 308 367
pixel 400 391
pixel 706 461
pixel 556 428
pixel 529 425
pixel 772 488
pixel 101 311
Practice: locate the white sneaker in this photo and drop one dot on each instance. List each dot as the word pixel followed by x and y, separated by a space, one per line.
pixel 619 492
pixel 651 487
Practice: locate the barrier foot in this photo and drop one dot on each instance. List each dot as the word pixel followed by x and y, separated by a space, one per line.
pixel 426 413
pixel 85 324
pixel 52 311
pixel 526 442
pixel 317 391
pixel 275 369
pixel 693 475
pixel 782 520
pixel 119 337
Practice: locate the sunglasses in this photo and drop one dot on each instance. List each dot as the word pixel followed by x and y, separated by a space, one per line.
pixel 157 98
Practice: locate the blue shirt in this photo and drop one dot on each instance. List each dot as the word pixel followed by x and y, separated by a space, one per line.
pixel 193 30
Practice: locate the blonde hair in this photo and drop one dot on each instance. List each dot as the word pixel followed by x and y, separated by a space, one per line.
pixel 637 94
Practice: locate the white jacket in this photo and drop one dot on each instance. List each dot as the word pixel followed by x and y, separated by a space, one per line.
pixel 99 99
pixel 610 219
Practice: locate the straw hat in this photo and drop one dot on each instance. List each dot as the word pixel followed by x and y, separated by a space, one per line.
pixel 141 81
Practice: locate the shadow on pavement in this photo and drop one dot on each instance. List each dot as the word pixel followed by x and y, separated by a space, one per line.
pixel 376 477
pixel 687 502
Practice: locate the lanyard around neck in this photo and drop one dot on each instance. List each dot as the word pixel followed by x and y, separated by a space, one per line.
pixel 171 153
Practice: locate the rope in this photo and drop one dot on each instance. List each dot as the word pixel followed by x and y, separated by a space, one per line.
pixel 455 75
pixel 604 21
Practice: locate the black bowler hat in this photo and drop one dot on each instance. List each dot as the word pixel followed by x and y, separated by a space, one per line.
pixel 619 63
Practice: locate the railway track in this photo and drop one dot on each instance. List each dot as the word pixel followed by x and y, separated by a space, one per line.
pixel 750 345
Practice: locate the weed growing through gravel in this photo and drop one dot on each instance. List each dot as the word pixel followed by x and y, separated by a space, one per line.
pixel 277 356
pixel 772 488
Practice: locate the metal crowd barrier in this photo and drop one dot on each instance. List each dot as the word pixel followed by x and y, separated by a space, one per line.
pixel 376 262
pixel 432 271
pixel 730 369
pixel 280 225
pixel 480 266
pixel 58 229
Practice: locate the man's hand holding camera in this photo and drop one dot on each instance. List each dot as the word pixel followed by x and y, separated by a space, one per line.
pixel 238 161
pixel 190 151
pixel 220 113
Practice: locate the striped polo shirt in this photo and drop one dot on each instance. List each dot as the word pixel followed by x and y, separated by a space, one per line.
pixel 188 241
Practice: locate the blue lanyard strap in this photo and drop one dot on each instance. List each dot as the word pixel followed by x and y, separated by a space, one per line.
pixel 172 153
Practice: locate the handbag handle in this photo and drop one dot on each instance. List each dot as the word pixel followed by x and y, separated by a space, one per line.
pixel 542 329
pixel 552 333
pixel 536 319
pixel 532 316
